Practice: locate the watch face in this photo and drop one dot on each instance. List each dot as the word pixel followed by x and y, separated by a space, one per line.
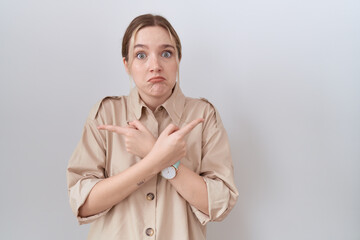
pixel 169 172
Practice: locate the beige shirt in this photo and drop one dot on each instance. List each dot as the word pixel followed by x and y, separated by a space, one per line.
pixel 155 210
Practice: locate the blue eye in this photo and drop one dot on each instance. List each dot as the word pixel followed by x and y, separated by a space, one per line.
pixel 141 55
pixel 166 54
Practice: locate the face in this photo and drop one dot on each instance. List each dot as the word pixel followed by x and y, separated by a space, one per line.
pixel 153 66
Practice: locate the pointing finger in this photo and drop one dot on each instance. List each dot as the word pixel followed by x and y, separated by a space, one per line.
pixel 112 128
pixel 170 129
pixel 187 129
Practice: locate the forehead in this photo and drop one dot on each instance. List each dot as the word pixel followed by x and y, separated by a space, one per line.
pixel 153 35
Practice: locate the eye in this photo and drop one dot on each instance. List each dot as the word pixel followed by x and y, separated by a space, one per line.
pixel 166 54
pixel 140 55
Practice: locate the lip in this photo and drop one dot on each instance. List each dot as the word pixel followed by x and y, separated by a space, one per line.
pixel 156 79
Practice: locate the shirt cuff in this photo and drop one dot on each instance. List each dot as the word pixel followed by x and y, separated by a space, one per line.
pixel 78 195
pixel 218 201
pixel 85 220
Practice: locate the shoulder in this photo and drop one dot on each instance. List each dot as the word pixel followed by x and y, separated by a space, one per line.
pixel 205 107
pixel 201 103
pixel 107 104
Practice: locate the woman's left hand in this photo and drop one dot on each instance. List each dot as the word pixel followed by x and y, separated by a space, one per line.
pixel 138 139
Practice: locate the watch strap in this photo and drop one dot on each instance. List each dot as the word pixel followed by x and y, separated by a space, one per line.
pixel 176 165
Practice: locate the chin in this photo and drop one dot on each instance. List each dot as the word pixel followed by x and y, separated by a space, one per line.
pixel 160 91
pixel 160 94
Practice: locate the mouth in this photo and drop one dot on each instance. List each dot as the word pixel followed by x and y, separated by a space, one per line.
pixel 156 79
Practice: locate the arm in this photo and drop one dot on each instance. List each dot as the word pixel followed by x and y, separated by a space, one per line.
pixel 216 169
pixel 113 190
pixel 192 188
pixel 168 149
pixel 187 183
pixel 110 191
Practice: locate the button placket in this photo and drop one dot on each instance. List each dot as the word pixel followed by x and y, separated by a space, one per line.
pixel 150 190
pixel 150 202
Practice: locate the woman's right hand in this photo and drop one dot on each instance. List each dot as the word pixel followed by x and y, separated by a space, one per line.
pixel 138 139
pixel 170 146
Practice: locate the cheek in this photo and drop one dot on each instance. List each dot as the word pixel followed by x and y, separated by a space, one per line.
pixel 173 68
pixel 136 70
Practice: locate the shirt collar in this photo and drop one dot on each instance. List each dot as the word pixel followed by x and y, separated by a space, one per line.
pixel 174 105
pixel 135 106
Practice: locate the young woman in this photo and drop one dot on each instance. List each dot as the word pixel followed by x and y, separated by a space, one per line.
pixel 154 164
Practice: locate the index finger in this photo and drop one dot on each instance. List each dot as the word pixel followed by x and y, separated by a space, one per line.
pixel 112 128
pixel 187 129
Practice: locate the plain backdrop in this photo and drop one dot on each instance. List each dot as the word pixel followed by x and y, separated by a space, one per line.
pixel 284 75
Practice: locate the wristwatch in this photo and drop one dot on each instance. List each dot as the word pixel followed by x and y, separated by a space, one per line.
pixel 170 172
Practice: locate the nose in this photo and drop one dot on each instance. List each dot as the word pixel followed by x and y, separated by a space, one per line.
pixel 154 64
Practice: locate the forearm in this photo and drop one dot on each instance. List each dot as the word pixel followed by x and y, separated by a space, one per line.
pixel 192 188
pixel 169 147
pixel 113 190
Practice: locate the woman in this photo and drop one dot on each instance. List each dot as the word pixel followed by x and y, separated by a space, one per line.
pixel 154 164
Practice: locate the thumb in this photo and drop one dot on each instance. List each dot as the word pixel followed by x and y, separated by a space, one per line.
pixel 169 129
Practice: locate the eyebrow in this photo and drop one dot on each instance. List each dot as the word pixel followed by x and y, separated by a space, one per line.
pixel 140 46
pixel 168 46
pixel 162 46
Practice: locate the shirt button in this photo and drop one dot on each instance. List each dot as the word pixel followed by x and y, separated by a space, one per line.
pixel 149 232
pixel 150 196
pixel 161 108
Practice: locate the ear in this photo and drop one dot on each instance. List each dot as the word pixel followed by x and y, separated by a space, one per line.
pixel 126 65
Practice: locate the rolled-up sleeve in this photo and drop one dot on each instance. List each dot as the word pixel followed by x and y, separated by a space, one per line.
pixel 86 168
pixel 217 170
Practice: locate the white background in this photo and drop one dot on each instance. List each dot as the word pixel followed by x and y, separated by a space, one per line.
pixel 284 75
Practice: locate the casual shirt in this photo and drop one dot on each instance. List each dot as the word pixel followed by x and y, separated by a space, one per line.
pixel 156 210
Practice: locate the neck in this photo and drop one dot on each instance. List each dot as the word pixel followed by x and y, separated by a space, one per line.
pixel 153 102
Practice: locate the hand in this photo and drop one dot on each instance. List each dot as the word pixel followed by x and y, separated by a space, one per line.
pixel 171 145
pixel 138 139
